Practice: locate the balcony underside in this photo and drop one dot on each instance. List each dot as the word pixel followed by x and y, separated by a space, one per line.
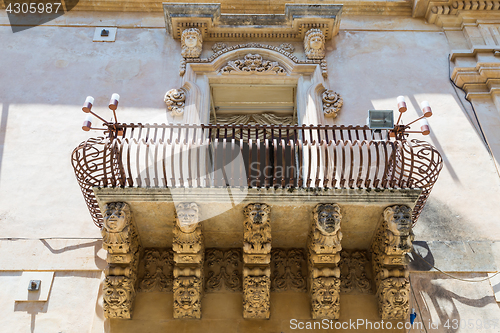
pixel 221 211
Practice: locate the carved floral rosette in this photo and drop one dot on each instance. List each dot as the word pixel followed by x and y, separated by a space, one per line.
pixel 332 103
pixel 253 63
pixel 256 297
pixel 175 100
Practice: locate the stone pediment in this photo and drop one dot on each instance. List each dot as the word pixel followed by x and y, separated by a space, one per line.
pixel 214 25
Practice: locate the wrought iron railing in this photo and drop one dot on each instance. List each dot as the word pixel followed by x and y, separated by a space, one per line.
pixel 142 155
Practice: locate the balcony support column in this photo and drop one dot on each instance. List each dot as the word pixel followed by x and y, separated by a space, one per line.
pixel 324 255
pixel 390 262
pixel 257 260
pixel 189 249
pixel 121 241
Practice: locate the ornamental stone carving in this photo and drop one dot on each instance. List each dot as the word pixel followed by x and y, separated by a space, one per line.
pixel 175 100
pixel 251 64
pixel 187 297
pixel 399 236
pixel 121 241
pixel 314 44
pixel 390 262
pixel 256 297
pixel 223 270
pixel 323 250
pixel 118 297
pixel 158 267
pixel 287 47
pixel 219 46
pixel 191 43
pixel 353 272
pixel 332 103
pixel 257 234
pixel 325 298
pixel 394 298
pixel 288 270
pixel 256 259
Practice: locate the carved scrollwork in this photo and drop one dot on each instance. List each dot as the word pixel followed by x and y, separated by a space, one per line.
pixel 253 63
pixel 256 298
pixel 223 270
pixel 332 103
pixel 158 270
pixel 175 100
pixel 219 46
pixel 289 270
pixel 353 272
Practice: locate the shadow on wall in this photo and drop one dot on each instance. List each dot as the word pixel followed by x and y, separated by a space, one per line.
pixel 97 245
pixel 32 308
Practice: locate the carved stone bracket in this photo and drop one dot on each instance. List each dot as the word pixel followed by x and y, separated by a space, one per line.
pixel 223 270
pixel 189 250
pixel 191 43
pixel 256 259
pixel 324 254
pixel 314 44
pixel 121 241
pixel 390 262
pixel 332 103
pixel 251 64
pixel 175 100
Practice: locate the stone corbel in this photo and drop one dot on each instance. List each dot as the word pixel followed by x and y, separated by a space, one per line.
pixel 324 255
pixel 390 262
pixel 189 249
pixel 332 103
pixel 121 241
pixel 314 44
pixel 256 260
pixel 175 100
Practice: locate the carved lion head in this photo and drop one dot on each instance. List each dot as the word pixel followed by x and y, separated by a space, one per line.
pixel 257 213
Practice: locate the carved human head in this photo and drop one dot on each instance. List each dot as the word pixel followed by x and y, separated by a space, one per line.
pixel 191 43
pixel 188 216
pixel 257 290
pixel 257 213
pixel 327 218
pixel 398 219
pixel 325 292
pixel 314 44
pixel 187 291
pixel 118 290
pixel 117 216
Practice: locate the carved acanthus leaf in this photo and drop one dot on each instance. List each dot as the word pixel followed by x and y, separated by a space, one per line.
pixel 288 270
pixel 354 273
pixel 332 103
pixel 158 270
pixel 253 63
pixel 223 270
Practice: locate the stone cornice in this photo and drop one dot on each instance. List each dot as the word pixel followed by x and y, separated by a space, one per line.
pixel 214 25
pixel 479 81
pixel 453 13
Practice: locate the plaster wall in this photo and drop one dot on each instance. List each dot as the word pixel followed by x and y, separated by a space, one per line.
pixel 48 71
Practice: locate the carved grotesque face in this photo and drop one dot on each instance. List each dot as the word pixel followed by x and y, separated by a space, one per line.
pixel 187 217
pixel 327 293
pixel 328 218
pixel 257 291
pixel 186 293
pixel 400 222
pixel 116 291
pixel 258 214
pixel 115 218
pixel 397 297
pixel 316 42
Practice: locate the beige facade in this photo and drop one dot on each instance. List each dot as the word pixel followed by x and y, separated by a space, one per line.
pixel 367 54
